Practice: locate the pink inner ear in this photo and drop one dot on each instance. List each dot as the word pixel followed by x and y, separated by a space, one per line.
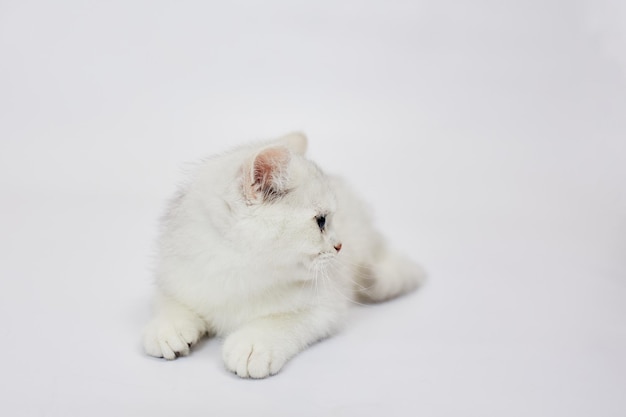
pixel 268 171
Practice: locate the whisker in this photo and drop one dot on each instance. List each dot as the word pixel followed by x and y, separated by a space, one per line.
pixel 332 284
pixel 360 287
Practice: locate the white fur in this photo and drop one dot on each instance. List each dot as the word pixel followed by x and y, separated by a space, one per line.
pixel 241 256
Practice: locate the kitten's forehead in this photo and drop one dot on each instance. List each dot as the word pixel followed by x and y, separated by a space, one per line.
pixel 312 186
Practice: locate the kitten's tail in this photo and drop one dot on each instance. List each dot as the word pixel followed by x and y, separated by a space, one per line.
pixel 390 276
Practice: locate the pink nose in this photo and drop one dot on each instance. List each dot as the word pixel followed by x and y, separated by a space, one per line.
pixel 338 247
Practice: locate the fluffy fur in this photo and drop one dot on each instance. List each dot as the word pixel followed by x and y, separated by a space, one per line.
pixel 265 250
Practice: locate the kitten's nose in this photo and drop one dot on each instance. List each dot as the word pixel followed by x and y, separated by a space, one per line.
pixel 338 247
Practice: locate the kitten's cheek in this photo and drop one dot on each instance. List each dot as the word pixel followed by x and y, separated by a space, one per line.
pixel 305 266
pixel 306 263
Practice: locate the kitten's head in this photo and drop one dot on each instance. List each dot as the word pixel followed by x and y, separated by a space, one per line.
pixel 289 206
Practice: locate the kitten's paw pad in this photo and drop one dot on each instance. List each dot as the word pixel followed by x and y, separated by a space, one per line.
pixel 250 356
pixel 171 339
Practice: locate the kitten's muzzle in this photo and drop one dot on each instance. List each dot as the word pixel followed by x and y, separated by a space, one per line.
pixel 338 247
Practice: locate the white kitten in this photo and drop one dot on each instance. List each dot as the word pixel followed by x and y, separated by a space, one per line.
pixel 265 250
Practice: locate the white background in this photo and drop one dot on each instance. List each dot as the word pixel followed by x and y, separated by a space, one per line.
pixel 489 136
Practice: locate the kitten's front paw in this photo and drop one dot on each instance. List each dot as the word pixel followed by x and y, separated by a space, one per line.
pixel 250 354
pixel 170 339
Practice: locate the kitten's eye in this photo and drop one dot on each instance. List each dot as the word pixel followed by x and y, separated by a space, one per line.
pixel 321 222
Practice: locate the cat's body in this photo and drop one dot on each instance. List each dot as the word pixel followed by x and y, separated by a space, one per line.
pixel 265 250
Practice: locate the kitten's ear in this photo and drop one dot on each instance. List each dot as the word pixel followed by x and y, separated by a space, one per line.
pixel 296 142
pixel 266 175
